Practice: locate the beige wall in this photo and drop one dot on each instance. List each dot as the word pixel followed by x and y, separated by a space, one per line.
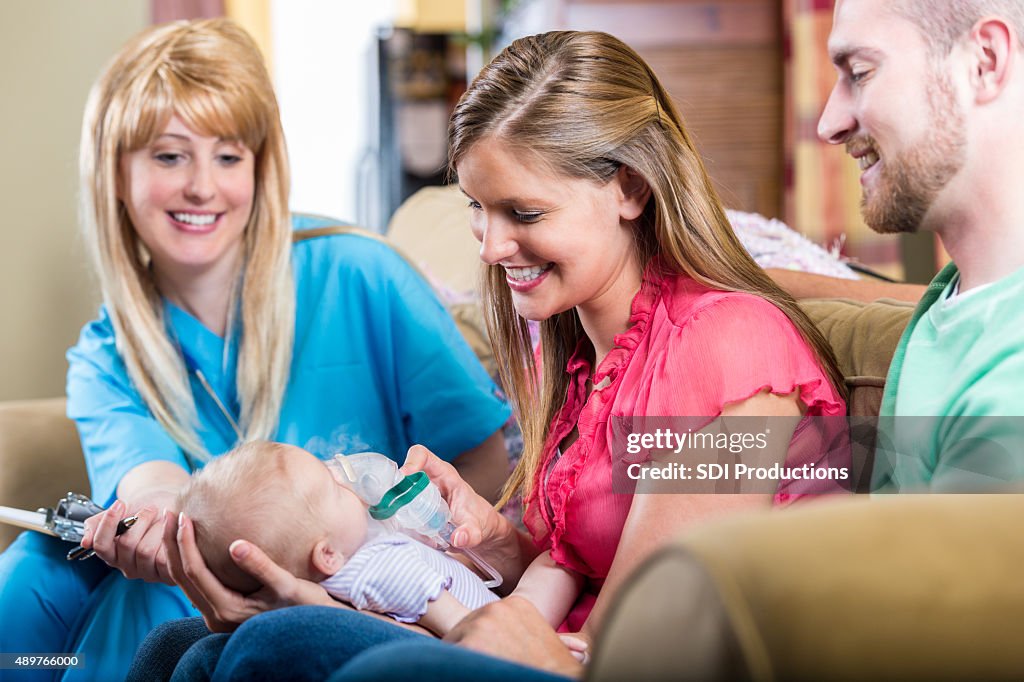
pixel 50 52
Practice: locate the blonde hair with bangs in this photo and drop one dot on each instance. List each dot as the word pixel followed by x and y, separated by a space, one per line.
pixel 587 104
pixel 211 74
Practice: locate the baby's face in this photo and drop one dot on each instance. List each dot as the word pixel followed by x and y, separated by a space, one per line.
pixel 342 514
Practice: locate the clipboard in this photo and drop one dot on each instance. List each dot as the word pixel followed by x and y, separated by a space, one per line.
pixel 37 520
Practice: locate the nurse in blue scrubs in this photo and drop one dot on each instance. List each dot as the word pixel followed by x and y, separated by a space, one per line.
pixel 224 319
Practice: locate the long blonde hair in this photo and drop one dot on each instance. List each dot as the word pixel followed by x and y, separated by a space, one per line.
pixel 211 74
pixel 587 104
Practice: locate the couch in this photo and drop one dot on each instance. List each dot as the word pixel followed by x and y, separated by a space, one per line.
pixel 913 587
pixel 920 587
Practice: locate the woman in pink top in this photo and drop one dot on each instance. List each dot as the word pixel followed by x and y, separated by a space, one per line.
pixel 596 218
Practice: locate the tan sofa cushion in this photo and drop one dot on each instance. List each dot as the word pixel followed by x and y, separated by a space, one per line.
pixel 40 457
pixel 915 587
pixel 433 227
pixel 864 337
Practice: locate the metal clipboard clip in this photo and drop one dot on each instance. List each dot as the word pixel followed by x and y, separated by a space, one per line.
pixel 65 520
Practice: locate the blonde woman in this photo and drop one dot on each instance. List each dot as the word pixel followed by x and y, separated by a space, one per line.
pixel 217 329
pixel 596 218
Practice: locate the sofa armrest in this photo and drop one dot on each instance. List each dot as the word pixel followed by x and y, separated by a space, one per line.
pixel 915 587
pixel 40 457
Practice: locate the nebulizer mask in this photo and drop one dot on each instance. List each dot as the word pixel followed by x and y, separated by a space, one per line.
pixel 410 505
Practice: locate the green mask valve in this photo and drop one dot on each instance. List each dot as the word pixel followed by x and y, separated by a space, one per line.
pixel 401 494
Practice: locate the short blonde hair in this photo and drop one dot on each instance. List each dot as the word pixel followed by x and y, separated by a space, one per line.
pixel 211 74
pixel 248 494
pixel 944 23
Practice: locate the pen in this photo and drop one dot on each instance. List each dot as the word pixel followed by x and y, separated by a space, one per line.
pixel 81 553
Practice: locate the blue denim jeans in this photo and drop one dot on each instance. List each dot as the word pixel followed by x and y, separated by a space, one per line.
pixel 432 660
pixel 314 642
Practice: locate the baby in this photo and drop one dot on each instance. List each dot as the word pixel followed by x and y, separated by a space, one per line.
pixel 309 522
pixel 305 517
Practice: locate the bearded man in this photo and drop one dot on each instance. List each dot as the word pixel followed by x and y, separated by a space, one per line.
pixel 930 101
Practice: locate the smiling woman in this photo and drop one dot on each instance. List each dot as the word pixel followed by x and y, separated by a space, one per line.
pixel 570 235
pixel 636 245
pixel 189 197
pixel 218 328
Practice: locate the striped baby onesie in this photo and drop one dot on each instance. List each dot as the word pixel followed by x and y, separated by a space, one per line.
pixel 396 575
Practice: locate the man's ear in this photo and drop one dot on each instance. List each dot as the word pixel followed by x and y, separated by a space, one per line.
pixel 991 46
pixel 635 193
pixel 326 559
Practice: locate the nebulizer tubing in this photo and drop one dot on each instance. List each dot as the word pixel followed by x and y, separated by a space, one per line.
pixel 495 579
pixel 409 504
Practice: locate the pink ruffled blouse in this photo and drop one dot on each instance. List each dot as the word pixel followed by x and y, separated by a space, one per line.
pixel 689 351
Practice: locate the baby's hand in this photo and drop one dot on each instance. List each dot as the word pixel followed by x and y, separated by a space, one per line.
pixel 577 645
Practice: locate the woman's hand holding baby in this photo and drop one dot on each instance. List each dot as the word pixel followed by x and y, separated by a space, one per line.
pixel 224 609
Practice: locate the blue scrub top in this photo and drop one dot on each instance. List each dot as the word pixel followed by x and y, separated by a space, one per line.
pixel 377 364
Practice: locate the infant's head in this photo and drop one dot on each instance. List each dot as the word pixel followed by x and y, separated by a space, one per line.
pixel 282 499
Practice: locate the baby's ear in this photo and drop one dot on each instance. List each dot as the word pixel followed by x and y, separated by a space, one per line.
pixel 326 559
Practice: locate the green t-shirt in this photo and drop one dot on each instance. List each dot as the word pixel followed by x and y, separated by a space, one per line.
pixel 952 418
